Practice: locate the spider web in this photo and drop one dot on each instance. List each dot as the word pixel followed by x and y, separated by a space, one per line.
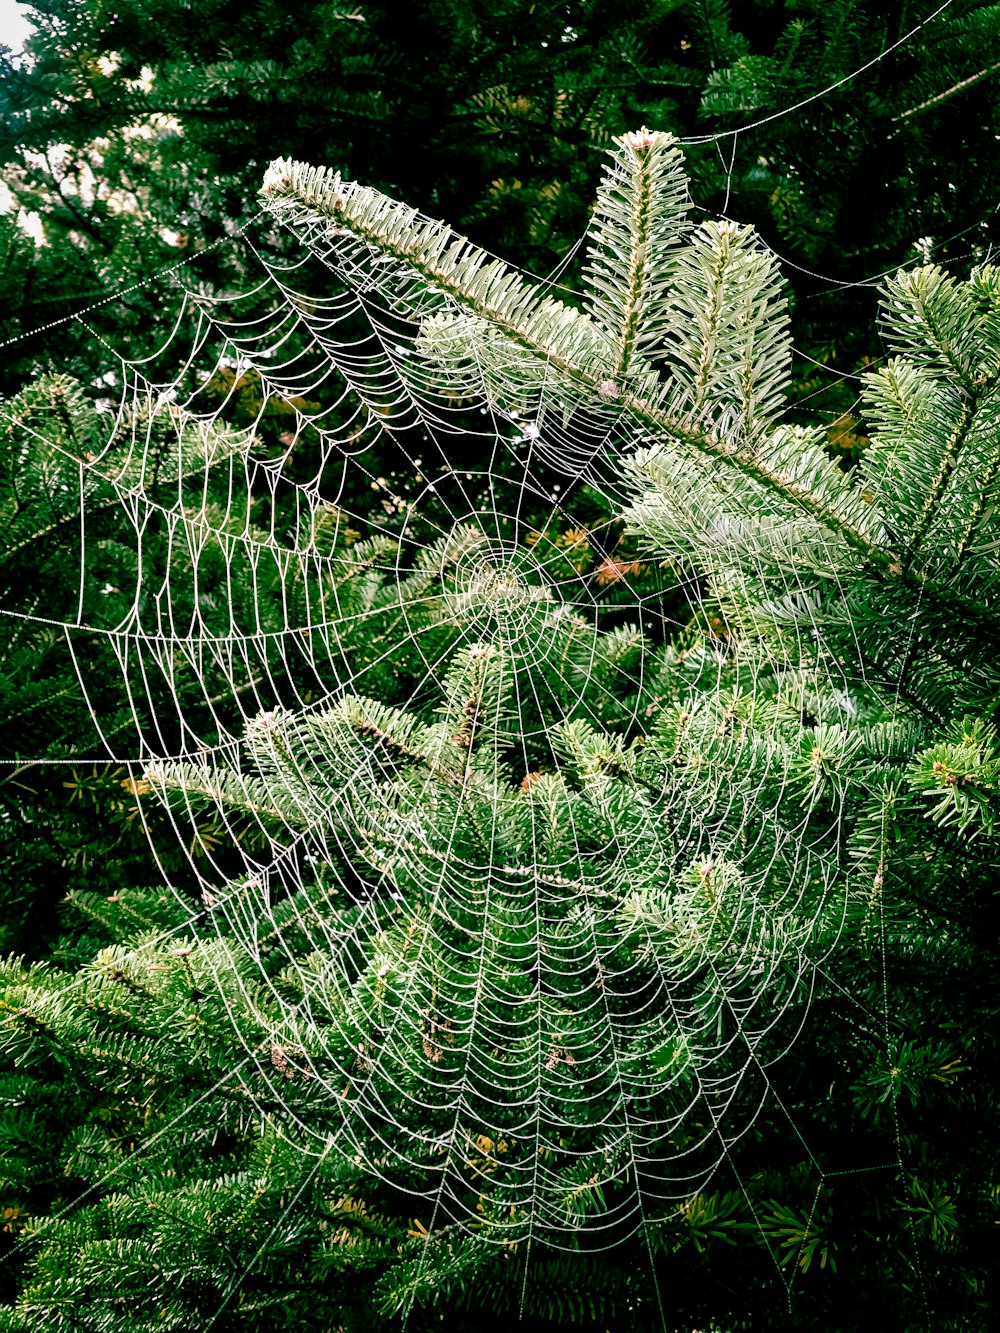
pixel 390 661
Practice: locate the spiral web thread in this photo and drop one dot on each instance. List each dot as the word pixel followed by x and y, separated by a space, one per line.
pixel 527 988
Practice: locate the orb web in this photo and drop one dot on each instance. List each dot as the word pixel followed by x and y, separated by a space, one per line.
pixel 493 804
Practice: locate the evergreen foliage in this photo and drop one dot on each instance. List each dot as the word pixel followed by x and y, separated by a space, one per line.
pixel 784 821
pixel 872 751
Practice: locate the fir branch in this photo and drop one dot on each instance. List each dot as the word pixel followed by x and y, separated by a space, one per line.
pixel 959 87
pixel 639 220
pixel 946 468
pixel 295 192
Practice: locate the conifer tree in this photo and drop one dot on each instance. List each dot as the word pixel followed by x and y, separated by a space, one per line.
pixel 591 905
pixel 874 750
